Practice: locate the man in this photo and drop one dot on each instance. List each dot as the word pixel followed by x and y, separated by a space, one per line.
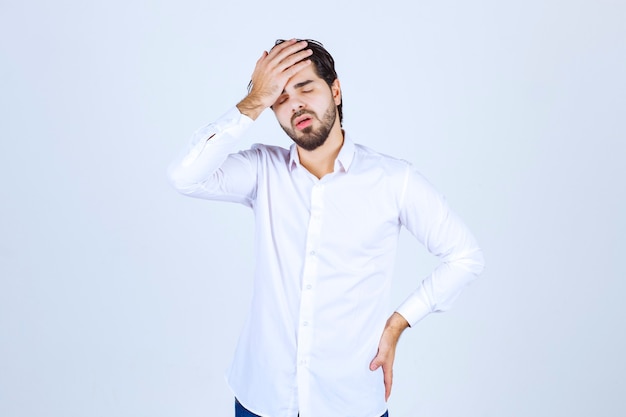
pixel 319 340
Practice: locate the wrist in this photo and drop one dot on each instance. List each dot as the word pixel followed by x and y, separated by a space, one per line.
pixel 251 106
pixel 397 323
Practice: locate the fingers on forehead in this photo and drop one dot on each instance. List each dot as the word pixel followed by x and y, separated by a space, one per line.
pixel 296 56
pixel 289 47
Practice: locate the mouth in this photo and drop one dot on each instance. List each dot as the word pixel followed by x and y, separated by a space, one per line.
pixel 302 122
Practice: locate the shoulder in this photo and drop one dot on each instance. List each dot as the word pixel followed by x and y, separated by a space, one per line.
pixel 369 159
pixel 399 174
pixel 269 155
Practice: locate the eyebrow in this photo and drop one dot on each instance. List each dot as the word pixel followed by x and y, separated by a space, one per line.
pixel 300 85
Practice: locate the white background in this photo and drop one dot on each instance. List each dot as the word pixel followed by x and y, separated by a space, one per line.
pixel 119 297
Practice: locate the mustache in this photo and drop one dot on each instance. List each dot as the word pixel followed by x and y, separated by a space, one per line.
pixel 300 113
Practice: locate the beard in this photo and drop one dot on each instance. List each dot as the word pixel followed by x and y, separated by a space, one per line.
pixel 310 138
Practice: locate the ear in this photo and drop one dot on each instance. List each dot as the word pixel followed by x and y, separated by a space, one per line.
pixel 335 88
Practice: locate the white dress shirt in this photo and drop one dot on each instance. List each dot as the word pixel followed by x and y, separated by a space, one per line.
pixel 325 251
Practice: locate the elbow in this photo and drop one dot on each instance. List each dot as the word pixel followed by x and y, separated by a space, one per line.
pixel 174 177
pixel 178 180
pixel 472 262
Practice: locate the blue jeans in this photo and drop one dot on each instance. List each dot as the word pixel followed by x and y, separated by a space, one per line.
pixel 241 411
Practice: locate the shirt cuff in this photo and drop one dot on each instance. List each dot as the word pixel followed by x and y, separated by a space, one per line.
pixel 233 122
pixel 415 307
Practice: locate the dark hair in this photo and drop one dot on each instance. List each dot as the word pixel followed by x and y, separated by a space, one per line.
pixel 324 65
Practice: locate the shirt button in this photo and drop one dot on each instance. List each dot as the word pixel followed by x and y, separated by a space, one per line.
pixel 312 253
pixel 305 324
pixel 309 286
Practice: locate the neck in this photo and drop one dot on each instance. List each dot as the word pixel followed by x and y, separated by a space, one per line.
pixel 321 161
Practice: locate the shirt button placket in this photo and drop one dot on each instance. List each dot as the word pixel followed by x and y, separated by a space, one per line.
pixel 307 319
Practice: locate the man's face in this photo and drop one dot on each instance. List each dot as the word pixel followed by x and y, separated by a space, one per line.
pixel 307 108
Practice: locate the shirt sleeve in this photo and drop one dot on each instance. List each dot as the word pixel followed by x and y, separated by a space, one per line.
pixel 425 213
pixel 210 166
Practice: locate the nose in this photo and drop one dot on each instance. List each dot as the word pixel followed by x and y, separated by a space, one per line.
pixel 296 105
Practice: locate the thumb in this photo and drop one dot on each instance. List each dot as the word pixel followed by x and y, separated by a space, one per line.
pixel 376 362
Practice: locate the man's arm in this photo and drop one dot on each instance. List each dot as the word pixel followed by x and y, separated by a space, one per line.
pixel 196 171
pixel 425 213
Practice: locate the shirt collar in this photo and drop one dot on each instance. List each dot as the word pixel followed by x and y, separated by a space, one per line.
pixel 344 158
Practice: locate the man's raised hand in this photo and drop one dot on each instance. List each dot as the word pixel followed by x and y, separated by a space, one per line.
pixel 271 73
